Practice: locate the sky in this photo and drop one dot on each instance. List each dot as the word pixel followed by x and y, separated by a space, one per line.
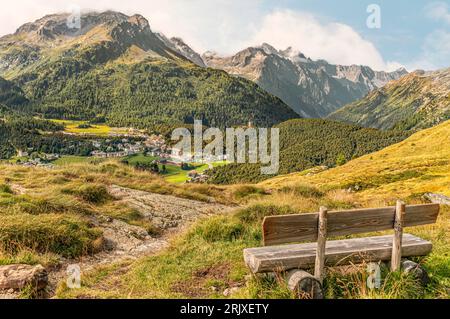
pixel 382 34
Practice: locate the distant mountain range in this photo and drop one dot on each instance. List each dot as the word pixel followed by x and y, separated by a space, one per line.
pixel 311 88
pixel 115 69
pixel 416 101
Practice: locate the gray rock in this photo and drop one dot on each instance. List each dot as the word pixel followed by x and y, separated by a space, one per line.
pixel 438 198
pixel 417 271
pixel 17 277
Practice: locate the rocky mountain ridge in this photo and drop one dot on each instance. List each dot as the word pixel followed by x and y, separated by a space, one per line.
pixel 311 88
pixel 114 68
pixel 416 101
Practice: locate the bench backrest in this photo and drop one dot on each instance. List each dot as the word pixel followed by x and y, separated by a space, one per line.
pixel 304 227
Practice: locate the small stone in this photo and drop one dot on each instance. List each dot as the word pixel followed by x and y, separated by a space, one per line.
pixel 230 291
pixel 415 269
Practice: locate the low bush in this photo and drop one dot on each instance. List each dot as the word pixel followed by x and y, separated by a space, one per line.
pixel 255 214
pixel 5 189
pixel 303 190
pixel 63 235
pixel 243 191
pixel 219 229
pixel 93 194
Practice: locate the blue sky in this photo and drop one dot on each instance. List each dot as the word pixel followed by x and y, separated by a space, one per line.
pixel 414 34
pixel 405 25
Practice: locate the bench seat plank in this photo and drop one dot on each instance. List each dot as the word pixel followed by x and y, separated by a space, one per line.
pixel 338 252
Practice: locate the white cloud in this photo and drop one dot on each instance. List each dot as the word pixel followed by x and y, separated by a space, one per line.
pixel 436 47
pixel 439 11
pixel 225 26
pixel 335 42
pixel 435 52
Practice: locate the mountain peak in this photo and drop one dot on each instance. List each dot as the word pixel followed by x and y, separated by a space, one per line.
pixel 140 21
pixel 414 101
pixel 268 49
pixel 53 26
pixel 311 88
pixel 178 45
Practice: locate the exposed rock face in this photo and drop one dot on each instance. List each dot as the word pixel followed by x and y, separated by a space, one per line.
pixel 17 277
pixel 166 212
pixel 113 31
pixel 178 45
pixel 311 88
pixel 416 101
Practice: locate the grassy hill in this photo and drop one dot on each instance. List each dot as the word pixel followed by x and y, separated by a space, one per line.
pixel 415 101
pixel 410 168
pixel 115 69
pixel 208 258
pixel 306 143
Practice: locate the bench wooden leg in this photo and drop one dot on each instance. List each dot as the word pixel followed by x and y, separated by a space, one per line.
pixel 304 284
pixel 321 244
pixel 398 236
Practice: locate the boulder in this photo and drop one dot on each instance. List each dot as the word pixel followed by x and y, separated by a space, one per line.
pixel 417 271
pixel 17 277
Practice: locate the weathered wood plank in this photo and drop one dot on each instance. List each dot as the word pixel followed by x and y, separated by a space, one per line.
pixel 321 244
pixel 398 234
pixel 304 227
pixel 338 252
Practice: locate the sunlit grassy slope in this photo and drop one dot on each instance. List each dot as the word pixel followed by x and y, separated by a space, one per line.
pixel 415 166
pixel 93 129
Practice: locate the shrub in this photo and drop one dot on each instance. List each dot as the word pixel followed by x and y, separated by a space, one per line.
pixel 246 190
pixel 353 284
pixel 68 236
pixel 37 206
pixel 93 194
pixel 256 213
pixel 5 189
pixel 303 190
pixel 341 160
pixel 219 229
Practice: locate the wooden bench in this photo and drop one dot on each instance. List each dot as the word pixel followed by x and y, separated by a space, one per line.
pixel 289 229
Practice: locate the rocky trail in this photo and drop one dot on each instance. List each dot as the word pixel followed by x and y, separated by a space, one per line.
pixel 127 242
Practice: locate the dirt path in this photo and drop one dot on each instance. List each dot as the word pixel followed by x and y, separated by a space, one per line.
pixel 124 241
